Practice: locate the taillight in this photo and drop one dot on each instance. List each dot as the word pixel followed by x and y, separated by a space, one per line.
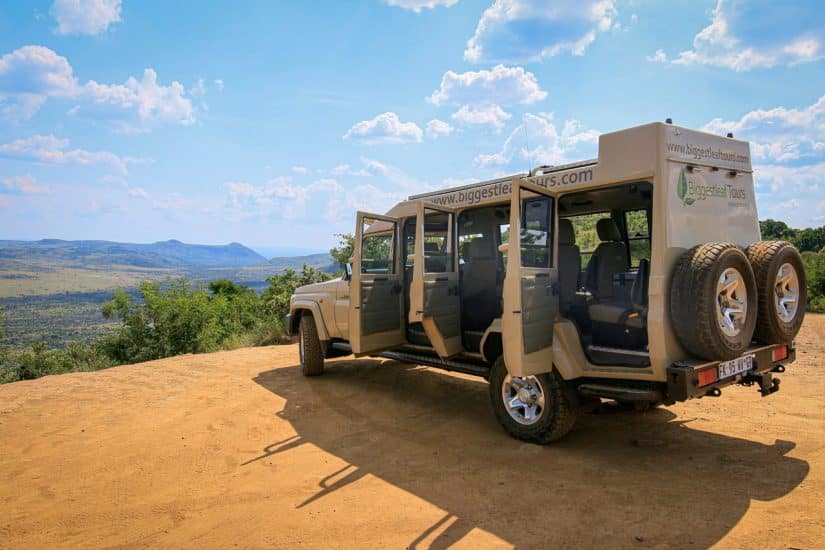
pixel 708 376
pixel 779 353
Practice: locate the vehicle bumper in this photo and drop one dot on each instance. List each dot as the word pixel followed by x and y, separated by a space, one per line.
pixel 684 381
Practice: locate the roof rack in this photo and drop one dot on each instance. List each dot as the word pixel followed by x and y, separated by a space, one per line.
pixel 547 169
pixel 468 186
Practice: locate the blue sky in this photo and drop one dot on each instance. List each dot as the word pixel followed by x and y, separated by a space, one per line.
pixel 271 123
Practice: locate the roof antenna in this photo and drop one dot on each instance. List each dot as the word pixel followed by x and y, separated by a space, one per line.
pixel 527 141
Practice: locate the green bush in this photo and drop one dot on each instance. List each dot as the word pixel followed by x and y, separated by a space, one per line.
pixel 815 272
pixel 170 318
pixel 38 361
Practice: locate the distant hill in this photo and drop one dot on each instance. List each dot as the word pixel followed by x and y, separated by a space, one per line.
pixel 322 261
pixel 155 255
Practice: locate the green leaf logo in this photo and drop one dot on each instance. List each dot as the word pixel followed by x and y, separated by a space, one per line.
pixel 681 187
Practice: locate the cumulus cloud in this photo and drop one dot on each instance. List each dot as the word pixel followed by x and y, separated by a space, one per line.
pixel 325 200
pixel 499 85
pixel 31 75
pixel 418 5
pixel 779 134
pixel 753 35
pixel 300 169
pixel 538 141
pixel 22 185
pixel 53 150
pixel 385 128
pixel 485 115
pixel 531 30
pixel 85 16
pixel 437 128
pixel 788 150
pixel 138 193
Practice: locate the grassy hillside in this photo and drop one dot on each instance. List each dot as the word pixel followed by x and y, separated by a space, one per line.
pixel 154 255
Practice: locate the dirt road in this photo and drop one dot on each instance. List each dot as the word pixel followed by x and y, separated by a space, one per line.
pixel 236 448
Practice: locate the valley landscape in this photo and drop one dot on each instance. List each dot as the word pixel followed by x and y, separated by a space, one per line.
pixel 52 290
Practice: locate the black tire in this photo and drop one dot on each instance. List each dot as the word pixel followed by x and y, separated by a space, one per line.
pixel 767 257
pixel 693 301
pixel 556 418
pixel 309 347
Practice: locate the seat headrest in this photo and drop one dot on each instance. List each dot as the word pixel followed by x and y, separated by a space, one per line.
pixel 566 233
pixel 479 249
pixel 431 247
pixel 607 230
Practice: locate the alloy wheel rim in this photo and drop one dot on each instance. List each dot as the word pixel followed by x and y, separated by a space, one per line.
pixel 523 398
pixel 786 292
pixel 731 302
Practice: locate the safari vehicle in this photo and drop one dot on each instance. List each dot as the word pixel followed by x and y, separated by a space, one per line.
pixel 638 276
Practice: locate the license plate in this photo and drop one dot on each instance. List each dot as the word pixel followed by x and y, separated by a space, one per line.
pixel 737 366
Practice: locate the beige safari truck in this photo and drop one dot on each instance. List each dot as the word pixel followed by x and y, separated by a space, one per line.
pixel 639 277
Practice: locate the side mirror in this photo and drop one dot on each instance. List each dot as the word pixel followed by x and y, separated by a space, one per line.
pixel 348 275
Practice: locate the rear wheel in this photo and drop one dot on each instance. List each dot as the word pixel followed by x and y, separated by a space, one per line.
pixel 780 277
pixel 531 408
pixel 713 301
pixel 309 347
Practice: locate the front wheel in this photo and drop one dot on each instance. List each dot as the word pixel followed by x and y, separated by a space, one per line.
pixel 309 347
pixel 532 408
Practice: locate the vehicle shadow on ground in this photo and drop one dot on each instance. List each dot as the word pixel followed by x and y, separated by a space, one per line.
pixel 618 479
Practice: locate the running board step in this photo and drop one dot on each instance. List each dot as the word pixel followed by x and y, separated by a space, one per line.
pixel 446 364
pixel 620 393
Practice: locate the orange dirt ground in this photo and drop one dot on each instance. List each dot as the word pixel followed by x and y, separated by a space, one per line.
pixel 238 449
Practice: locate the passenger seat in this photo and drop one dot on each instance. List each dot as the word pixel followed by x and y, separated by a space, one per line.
pixel 569 265
pixel 610 257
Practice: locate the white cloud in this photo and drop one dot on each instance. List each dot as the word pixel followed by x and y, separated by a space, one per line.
pixel 300 169
pixel 753 35
pixel 53 150
pixel 4 202
pixel 500 85
pixel 85 16
pixel 779 134
pixel 547 145
pixel 22 185
pixel 485 115
pixel 328 200
pixel 418 5
pixel 437 128
pixel 138 193
pixel 218 84
pixel 31 75
pixel 531 30
pixel 788 149
pixel 385 128
pixel 659 57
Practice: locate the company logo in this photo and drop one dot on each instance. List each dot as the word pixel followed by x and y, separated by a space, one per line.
pixel 692 188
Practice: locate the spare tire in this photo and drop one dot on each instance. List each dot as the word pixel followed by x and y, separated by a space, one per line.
pixel 713 301
pixel 780 279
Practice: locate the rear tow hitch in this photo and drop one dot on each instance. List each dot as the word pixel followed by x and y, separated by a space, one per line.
pixel 767 384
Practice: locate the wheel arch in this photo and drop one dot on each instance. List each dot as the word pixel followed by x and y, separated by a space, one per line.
pixel 300 308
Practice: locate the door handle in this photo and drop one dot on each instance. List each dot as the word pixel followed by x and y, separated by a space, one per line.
pixel 452 291
pixel 551 290
pixel 441 279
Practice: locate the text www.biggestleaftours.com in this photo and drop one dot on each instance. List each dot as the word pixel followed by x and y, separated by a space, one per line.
pixel 703 153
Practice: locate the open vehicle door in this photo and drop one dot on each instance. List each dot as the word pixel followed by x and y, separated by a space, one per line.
pixel 376 290
pixel 434 291
pixel 531 300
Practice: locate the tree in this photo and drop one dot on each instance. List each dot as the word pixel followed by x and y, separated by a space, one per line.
pixel 281 287
pixel 773 230
pixel 2 334
pixel 342 252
